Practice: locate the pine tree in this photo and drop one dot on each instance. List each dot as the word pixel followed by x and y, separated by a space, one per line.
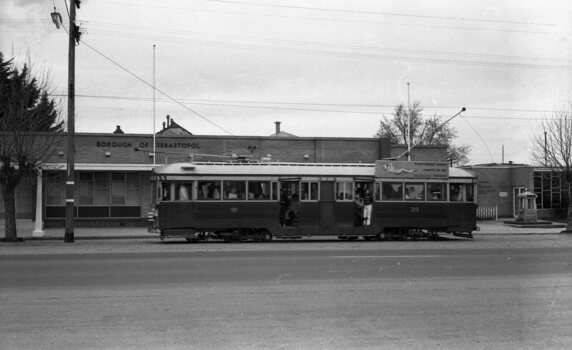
pixel 29 121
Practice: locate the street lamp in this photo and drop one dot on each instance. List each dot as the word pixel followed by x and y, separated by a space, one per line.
pixel 74 35
pixel 56 18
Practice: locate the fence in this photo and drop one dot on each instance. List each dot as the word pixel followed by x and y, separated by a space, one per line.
pixel 487 213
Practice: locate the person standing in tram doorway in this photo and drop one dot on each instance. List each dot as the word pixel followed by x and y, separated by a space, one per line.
pixel 367 206
pixel 293 210
pixel 358 209
pixel 283 205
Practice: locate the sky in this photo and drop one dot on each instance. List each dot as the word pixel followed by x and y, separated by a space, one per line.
pixel 322 68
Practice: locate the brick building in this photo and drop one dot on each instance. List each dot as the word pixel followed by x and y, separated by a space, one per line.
pixel 500 184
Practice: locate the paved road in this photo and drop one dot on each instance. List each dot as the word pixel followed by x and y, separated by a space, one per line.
pixel 511 293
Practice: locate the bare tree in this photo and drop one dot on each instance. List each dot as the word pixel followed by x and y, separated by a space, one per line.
pixel 29 127
pixel 552 148
pixel 428 131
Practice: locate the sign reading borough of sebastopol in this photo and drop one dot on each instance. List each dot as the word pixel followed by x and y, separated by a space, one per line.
pixel 161 144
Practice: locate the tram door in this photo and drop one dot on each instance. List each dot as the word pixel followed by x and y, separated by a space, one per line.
pixel 289 190
pixel 327 203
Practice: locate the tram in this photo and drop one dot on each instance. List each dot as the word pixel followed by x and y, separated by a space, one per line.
pixel 260 201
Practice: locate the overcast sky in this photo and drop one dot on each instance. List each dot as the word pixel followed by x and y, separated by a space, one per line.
pixel 322 68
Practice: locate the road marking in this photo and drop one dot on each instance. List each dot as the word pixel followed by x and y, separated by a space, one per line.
pixel 383 256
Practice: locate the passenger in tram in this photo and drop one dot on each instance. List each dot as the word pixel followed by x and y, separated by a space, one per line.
pixel 293 210
pixel 367 207
pixel 413 193
pixel 358 209
pixel 166 195
pixel 232 194
pixel 215 192
pixel 183 193
pixel 456 194
pixel 283 205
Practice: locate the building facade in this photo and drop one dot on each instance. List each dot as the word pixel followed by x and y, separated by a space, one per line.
pixel 500 184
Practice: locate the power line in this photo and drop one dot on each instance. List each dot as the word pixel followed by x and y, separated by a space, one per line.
pixel 275 105
pixel 406 55
pixel 395 14
pixel 311 44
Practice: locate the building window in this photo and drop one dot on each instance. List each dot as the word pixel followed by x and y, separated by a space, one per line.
pixel 85 188
pixel 551 190
pixel 125 188
pixel 55 188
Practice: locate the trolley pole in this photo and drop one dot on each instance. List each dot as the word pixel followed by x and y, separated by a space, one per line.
pixel 70 176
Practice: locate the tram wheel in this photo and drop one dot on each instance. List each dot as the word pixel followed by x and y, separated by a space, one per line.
pixel 263 236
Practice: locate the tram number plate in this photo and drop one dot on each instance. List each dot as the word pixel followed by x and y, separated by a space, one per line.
pixel 414 210
pixel 234 210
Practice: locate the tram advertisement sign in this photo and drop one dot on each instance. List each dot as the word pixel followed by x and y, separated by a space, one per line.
pixel 411 170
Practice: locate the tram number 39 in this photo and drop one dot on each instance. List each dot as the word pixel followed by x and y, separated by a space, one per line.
pixel 414 210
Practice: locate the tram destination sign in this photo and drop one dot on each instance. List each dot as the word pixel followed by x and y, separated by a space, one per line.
pixel 411 170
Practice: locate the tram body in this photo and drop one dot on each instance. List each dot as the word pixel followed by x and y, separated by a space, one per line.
pixel 237 201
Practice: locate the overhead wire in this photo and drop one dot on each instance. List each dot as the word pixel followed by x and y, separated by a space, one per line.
pixel 156 89
pixel 381 13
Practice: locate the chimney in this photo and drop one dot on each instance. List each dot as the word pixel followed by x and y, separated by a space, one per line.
pixel 277 127
pixel 168 118
pixel 118 130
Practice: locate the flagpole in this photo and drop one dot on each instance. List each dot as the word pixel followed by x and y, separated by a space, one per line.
pixel 154 123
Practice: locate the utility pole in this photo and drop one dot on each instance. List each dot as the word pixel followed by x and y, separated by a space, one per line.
pixel 70 176
pixel 408 126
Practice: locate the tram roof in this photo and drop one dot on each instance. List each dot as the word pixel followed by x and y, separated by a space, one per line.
pixel 281 169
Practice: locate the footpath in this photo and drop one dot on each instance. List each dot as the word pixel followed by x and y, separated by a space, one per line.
pixel 26 231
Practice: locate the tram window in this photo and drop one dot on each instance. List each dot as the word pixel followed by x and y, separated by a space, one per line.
pixel 344 190
pixel 415 191
pixel 234 190
pixel 377 191
pixel 470 193
pixel 183 191
pixel 275 191
pixel 392 191
pixel 165 191
pixel 258 190
pixel 309 191
pixel 208 190
pixel 436 191
pixel 456 192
